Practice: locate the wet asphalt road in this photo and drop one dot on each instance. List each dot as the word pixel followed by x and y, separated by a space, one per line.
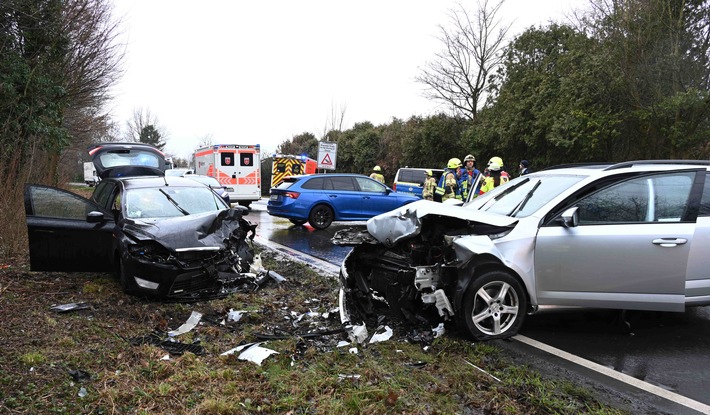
pixel 669 350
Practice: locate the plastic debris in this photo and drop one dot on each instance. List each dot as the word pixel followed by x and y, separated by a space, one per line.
pixel 343 343
pixel 170 345
pixel 341 376
pixel 188 325
pixel 258 268
pixel 439 330
pixel 357 334
pixel 82 392
pixel 476 367
pixel 79 375
pixel 352 350
pixel 251 352
pixel 235 315
pixel 381 337
pixel 63 308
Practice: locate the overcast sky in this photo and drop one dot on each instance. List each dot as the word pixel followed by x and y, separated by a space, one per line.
pixel 260 72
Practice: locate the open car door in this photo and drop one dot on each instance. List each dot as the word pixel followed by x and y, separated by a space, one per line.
pixel 67 232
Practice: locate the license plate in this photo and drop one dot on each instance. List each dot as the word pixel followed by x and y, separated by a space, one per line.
pixel 274 197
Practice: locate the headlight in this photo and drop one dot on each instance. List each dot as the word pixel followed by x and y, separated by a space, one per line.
pixel 150 251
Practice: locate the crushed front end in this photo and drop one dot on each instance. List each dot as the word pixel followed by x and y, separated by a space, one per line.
pixel 188 260
pixel 413 264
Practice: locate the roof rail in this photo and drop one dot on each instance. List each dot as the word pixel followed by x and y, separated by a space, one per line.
pixel 573 165
pixel 626 164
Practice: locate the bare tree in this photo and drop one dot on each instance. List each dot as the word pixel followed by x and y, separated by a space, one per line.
pixel 473 48
pixel 335 121
pixel 141 121
pixel 206 140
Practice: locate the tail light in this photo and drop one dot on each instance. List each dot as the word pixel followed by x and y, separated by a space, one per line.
pixel 292 195
pixel 394 186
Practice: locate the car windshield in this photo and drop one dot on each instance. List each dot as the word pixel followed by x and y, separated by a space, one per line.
pixel 170 202
pixel 176 172
pixel 523 196
pixel 209 181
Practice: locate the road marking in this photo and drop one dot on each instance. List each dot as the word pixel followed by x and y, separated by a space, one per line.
pixel 327 267
pixel 630 380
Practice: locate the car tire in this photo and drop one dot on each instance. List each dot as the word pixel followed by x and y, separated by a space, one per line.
pixel 246 204
pixel 321 217
pixel 298 222
pixel 494 306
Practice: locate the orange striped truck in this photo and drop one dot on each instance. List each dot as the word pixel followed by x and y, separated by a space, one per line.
pixel 237 166
pixel 286 165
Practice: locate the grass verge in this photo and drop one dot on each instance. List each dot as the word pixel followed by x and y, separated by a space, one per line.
pixel 83 362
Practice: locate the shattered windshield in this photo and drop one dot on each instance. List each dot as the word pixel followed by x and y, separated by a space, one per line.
pixel 171 201
pixel 523 196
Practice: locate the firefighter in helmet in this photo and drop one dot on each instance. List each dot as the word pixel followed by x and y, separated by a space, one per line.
pixel 377 174
pixel 448 187
pixel 468 175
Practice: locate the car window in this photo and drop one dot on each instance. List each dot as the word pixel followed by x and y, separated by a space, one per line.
pixel 170 202
pixel 659 198
pixel 705 201
pixel 135 157
pixel 103 192
pixel 367 185
pixel 210 181
pixel 523 196
pixel 411 176
pixel 315 183
pixel 344 183
pixel 55 203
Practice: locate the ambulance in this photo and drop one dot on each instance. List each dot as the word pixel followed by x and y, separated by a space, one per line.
pixel 289 165
pixel 237 166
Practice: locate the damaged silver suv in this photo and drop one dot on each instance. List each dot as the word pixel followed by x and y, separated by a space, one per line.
pixel 632 235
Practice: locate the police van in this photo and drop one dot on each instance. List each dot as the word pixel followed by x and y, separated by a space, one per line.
pixel 411 179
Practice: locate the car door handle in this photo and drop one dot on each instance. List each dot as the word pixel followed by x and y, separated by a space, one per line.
pixel 333 196
pixel 366 197
pixel 669 242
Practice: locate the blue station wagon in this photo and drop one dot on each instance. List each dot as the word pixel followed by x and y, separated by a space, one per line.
pixel 320 199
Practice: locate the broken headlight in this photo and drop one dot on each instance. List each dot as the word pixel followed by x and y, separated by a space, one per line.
pixel 150 251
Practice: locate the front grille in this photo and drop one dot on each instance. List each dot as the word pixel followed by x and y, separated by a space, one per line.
pixel 192 281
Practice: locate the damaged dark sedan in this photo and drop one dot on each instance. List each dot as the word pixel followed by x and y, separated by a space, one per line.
pixel 165 237
pixel 628 236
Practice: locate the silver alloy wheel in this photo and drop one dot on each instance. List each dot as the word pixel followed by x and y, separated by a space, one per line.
pixel 495 308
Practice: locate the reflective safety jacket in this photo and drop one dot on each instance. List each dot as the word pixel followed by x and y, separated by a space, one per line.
pixel 377 176
pixel 488 184
pixel 429 188
pixel 448 186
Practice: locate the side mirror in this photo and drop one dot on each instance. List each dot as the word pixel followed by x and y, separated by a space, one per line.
pixel 94 217
pixel 570 217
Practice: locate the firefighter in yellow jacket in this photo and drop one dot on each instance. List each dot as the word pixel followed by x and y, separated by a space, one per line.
pixel 429 186
pixel 495 179
pixel 377 174
pixel 448 187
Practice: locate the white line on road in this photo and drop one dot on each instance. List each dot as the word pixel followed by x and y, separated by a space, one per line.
pixel 630 380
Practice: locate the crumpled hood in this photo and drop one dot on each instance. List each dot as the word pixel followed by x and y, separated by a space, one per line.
pixel 403 222
pixel 185 232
